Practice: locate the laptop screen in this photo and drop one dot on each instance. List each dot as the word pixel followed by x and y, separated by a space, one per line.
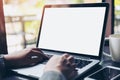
pixel 74 29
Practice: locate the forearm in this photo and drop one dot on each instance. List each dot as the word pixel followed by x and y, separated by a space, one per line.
pixel 52 75
pixel 4 64
pixel 11 61
pixel 8 61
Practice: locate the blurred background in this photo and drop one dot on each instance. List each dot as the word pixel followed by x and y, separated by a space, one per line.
pixel 22 20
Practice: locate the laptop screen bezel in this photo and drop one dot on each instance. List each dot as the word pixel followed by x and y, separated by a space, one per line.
pixel 79 5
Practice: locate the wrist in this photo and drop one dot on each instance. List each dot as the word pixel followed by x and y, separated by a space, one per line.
pixel 7 61
pixel 11 61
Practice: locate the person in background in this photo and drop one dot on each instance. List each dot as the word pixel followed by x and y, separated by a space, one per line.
pixel 57 68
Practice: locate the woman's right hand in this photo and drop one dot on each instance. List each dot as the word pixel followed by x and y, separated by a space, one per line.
pixel 63 64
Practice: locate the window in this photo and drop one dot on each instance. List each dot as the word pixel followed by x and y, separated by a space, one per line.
pixel 22 19
pixel 117 16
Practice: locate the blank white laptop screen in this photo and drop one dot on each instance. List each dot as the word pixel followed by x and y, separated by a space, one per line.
pixel 76 30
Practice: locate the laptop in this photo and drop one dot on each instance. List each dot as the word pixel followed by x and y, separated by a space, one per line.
pixel 76 29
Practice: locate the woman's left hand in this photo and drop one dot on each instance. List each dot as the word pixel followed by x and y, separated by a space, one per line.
pixel 26 57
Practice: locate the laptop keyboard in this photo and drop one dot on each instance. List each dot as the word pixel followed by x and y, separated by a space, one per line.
pixel 80 63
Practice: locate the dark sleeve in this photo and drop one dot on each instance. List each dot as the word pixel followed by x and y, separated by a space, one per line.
pixel 52 75
pixel 2 66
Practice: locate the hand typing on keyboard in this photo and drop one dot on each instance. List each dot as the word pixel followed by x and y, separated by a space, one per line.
pixel 63 64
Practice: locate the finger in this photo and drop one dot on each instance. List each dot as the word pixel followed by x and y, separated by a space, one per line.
pixel 65 55
pixel 40 59
pixel 68 64
pixel 36 57
pixel 74 65
pixel 34 61
pixel 73 74
pixel 40 54
pixel 70 59
pixel 63 59
pixel 37 50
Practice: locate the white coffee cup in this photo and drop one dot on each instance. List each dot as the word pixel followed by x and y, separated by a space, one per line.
pixel 114 44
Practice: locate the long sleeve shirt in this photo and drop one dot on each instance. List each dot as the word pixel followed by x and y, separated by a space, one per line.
pixel 2 67
pixel 52 75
